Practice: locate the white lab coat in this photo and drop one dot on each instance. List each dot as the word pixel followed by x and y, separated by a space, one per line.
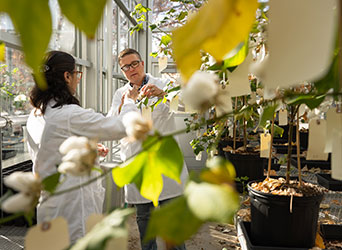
pixel 45 134
pixel 163 121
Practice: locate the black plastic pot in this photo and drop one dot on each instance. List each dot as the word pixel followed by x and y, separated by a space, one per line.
pixel 273 224
pixel 326 181
pixel 250 165
pixel 224 143
pixel 312 164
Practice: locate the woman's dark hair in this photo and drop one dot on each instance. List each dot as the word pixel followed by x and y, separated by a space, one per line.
pixel 56 63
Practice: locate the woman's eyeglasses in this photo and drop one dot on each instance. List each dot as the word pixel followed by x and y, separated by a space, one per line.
pixel 78 74
pixel 133 64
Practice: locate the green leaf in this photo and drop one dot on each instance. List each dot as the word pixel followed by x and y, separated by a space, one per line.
pixel 182 15
pixel 154 54
pixel 32 20
pixel 160 157
pixel 51 182
pixel 239 57
pixel 311 100
pixel 210 202
pixel 164 222
pixel 111 227
pixel 165 40
pixel 85 14
pixel 128 171
pixel 153 26
pixel 267 114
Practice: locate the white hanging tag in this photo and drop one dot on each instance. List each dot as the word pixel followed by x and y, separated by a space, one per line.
pixel 334 121
pixel 238 80
pixel 162 63
pixel 265 144
pixel 146 113
pixel 305 53
pixel 174 104
pixel 336 156
pixel 317 138
pixel 301 110
pixel 119 243
pixel 199 156
pixel 282 117
pixel 52 235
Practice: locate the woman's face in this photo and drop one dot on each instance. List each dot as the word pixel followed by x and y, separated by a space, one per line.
pixel 72 79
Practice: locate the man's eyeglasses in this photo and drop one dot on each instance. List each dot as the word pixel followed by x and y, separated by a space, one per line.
pixel 78 74
pixel 133 64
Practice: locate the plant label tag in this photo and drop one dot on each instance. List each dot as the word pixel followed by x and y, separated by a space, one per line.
pixel 301 110
pixel 298 61
pixel 174 104
pixel 92 220
pixel 238 79
pixel 162 63
pixel 146 113
pixel 282 117
pixel 334 121
pixel 52 235
pixel 199 156
pixel 317 138
pixel 120 242
pixel 336 156
pixel 265 144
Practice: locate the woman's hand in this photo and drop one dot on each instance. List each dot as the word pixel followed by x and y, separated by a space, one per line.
pixel 102 150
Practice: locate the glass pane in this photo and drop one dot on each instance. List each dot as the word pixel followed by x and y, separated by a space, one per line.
pixel 115 35
pixel 6 23
pixel 16 81
pixel 123 31
pixel 63 37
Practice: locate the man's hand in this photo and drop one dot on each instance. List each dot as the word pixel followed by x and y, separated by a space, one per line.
pixel 133 93
pixel 151 90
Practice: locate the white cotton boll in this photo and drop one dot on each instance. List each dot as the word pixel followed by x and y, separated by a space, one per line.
pixel 137 127
pixel 73 155
pixel 223 102
pixel 72 168
pixel 22 181
pixel 200 91
pixel 73 142
pixel 17 203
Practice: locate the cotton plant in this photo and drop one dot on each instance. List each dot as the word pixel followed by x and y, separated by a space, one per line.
pixel 203 91
pixel 28 186
pixel 80 154
pixel 137 128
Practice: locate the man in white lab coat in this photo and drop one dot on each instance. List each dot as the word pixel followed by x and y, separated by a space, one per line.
pixel 163 120
pixel 56 116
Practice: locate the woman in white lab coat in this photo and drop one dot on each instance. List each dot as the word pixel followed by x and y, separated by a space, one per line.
pixel 56 116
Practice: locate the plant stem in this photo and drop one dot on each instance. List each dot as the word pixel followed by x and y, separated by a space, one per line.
pixel 289 147
pixel 234 127
pixel 270 154
pixel 244 127
pixel 298 152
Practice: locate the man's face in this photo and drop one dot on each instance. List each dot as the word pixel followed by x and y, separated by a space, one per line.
pixel 135 72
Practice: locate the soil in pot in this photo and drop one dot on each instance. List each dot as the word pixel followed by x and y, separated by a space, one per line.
pixel 284 215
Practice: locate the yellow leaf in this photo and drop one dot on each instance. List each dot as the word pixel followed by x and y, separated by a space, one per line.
pixel 2 52
pixel 218 27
